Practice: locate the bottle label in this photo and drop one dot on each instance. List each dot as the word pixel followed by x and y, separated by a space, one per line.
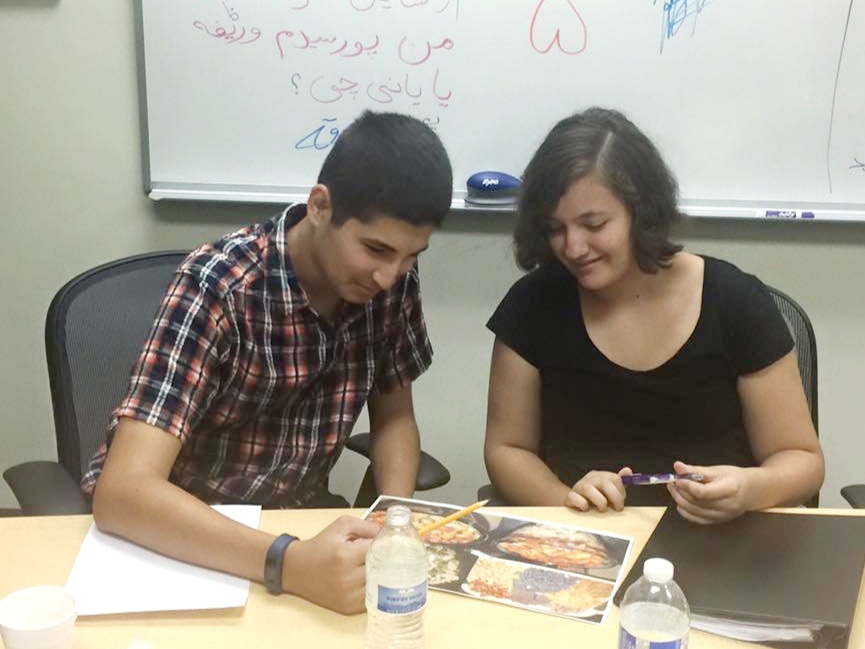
pixel 627 641
pixel 402 600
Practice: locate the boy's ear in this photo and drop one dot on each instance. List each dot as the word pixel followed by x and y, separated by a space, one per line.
pixel 318 206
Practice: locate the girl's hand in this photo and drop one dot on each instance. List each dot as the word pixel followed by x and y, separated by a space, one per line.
pixel 599 489
pixel 721 496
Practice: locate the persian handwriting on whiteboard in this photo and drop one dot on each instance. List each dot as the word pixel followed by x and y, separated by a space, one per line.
pixel 231 12
pixel 311 140
pixel 408 51
pixel 357 48
pixel 365 5
pixel 325 90
pixel 557 23
pixel 555 26
pixel 857 165
pixel 416 53
pixel 443 98
pixel 317 139
pixel 331 45
pixel 233 36
pixel 384 93
pixel 439 6
pixel 413 89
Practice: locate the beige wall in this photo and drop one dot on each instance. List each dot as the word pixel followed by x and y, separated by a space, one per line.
pixel 70 182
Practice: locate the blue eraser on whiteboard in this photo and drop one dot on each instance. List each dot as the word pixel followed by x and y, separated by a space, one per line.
pixel 492 188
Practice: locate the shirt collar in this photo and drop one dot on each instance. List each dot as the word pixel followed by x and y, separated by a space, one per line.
pixel 347 313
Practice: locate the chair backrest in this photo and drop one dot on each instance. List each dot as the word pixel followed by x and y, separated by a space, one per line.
pixel 94 331
pixel 805 345
pixel 806 351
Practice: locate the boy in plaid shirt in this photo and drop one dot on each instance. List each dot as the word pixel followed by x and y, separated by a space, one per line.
pixel 266 347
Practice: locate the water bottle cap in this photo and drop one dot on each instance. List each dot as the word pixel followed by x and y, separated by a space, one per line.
pixel 397 516
pixel 658 570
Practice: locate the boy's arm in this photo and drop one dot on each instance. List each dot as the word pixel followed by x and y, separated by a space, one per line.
pixel 394 441
pixel 134 499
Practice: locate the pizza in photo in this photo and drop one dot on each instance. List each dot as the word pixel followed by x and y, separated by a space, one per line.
pixel 453 533
pixel 557 547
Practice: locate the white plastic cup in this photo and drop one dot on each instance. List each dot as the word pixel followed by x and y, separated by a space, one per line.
pixel 41 617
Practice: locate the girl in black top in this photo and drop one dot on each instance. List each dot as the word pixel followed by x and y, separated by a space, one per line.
pixel 621 352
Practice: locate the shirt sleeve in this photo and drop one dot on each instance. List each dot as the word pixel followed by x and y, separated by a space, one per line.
pixel 512 320
pixel 757 334
pixel 409 354
pixel 176 374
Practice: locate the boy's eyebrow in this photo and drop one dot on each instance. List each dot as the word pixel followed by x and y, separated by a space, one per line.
pixel 384 244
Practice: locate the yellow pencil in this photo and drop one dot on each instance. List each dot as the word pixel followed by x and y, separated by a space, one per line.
pixel 447 519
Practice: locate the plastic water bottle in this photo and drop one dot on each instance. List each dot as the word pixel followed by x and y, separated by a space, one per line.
pixel 396 584
pixel 655 613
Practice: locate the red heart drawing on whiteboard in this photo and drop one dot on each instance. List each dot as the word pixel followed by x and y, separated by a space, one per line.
pixel 557 23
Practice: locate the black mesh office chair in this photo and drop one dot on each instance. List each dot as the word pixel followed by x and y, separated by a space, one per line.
pixel 806 344
pixel 855 495
pixel 806 352
pixel 94 330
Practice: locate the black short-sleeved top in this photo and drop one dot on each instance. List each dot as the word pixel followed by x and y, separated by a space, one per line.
pixel 599 415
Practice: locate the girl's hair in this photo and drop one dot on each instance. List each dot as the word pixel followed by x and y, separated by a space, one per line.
pixel 603 143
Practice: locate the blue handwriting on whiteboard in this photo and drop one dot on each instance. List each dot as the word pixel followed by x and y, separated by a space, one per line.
pixel 858 165
pixel 676 13
pixel 311 140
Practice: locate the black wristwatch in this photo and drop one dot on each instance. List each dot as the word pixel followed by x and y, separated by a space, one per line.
pixel 273 562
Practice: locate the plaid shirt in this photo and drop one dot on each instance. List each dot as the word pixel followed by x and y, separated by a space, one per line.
pixel 260 390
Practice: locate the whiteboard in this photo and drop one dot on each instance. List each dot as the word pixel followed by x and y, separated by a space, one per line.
pixel 757 106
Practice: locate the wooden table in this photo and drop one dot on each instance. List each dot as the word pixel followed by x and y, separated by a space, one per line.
pixel 41 550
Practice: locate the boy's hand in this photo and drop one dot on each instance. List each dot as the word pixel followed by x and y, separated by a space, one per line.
pixel 329 569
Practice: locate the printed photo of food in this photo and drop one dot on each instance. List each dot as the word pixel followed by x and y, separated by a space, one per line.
pixel 543 589
pixel 445 564
pixel 447 546
pixel 453 533
pixel 565 548
pixel 545 567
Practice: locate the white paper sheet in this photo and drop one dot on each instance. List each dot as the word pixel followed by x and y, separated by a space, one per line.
pixel 112 575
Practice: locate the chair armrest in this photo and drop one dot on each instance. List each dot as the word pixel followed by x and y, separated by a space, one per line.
pixel 431 473
pixel 45 489
pixel 855 495
pixel 487 493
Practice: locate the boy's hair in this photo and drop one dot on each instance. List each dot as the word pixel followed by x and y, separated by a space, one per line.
pixel 604 143
pixel 388 164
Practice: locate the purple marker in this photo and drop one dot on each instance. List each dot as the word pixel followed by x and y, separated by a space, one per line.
pixel 659 478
